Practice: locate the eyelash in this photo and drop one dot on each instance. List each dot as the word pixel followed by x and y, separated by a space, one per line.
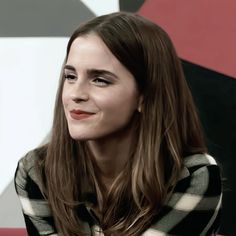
pixel 101 82
pixel 70 77
pixel 97 80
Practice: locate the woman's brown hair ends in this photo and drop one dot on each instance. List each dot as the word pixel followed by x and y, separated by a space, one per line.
pixel 167 128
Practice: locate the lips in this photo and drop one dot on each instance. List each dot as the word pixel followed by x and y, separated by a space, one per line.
pixel 80 114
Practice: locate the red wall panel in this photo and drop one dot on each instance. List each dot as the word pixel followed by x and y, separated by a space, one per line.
pixel 203 31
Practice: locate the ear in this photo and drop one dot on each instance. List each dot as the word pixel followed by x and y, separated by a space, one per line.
pixel 140 103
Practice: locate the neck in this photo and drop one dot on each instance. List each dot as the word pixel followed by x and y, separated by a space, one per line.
pixel 111 155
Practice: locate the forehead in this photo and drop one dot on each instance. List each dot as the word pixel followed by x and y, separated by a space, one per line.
pixel 91 49
pixel 90 52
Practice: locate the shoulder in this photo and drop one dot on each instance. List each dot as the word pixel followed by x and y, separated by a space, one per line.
pixel 195 202
pixel 27 172
pixel 197 195
pixel 194 164
pixel 30 159
pixel 200 176
pixel 29 188
pixel 199 160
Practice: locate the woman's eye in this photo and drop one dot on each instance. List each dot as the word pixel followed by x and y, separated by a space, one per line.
pixel 70 77
pixel 100 82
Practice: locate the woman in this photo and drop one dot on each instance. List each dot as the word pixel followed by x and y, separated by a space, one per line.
pixel 126 154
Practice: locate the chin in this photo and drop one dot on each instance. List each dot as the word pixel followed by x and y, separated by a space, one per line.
pixel 88 137
pixel 79 137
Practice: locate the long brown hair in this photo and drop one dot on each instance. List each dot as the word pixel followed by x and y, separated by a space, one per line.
pixel 168 130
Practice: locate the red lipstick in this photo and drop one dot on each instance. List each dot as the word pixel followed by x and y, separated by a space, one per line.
pixel 79 114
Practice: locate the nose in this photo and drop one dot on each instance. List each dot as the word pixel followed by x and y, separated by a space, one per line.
pixel 80 91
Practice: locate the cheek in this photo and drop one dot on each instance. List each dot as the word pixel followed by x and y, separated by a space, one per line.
pixel 117 102
pixel 64 96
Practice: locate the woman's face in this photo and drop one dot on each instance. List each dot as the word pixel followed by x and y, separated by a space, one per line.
pixel 99 95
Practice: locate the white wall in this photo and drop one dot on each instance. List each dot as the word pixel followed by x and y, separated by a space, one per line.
pixel 29 73
pixel 100 7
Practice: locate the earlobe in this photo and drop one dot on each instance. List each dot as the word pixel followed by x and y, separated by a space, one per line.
pixel 140 104
pixel 139 109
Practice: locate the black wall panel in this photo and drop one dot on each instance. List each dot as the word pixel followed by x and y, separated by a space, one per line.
pixel 215 97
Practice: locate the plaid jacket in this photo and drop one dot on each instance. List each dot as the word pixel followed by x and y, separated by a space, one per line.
pixel 193 209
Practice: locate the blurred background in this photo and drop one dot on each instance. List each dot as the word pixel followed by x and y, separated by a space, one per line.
pixel 33 38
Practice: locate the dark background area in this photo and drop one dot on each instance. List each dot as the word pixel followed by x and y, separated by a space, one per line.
pixel 215 97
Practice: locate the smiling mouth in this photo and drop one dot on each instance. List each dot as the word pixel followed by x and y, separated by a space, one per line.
pixel 79 115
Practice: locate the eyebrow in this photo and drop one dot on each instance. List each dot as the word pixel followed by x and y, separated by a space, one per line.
pixel 69 67
pixel 92 72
